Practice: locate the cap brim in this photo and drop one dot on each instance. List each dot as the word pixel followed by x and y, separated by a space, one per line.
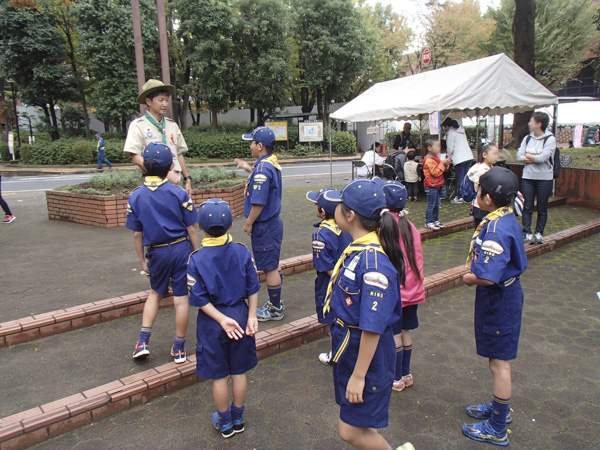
pixel 312 196
pixel 247 137
pixel 333 196
pixel 141 99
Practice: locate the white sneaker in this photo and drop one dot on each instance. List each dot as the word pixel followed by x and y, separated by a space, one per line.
pixel 432 226
pixel 406 446
pixel 325 358
pixel 539 239
pixel 457 200
pixel 439 224
pixel 529 239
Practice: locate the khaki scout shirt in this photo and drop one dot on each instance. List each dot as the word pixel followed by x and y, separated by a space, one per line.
pixel 142 132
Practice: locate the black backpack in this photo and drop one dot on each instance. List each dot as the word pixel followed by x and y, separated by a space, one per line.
pixel 554 160
pixel 394 161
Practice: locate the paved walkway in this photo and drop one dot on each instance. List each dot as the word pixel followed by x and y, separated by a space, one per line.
pixel 290 403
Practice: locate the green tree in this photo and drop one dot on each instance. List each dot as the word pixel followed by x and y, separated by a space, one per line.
pixel 456 32
pixel 32 56
pixel 209 28
pixel 333 45
pixel 262 50
pixel 106 31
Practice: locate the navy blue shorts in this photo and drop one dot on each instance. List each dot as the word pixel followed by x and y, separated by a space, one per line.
pixel 409 320
pixel 498 311
pixel 169 263
pixel 321 283
pixel 374 411
pixel 217 356
pixel 266 243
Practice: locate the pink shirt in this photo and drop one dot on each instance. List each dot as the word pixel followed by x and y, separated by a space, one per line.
pixel 413 291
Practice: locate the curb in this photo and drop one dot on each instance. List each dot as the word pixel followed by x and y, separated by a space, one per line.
pixel 52 419
pixel 81 316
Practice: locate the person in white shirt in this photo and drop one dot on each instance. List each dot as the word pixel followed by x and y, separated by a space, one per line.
pixel 459 151
pixel 371 158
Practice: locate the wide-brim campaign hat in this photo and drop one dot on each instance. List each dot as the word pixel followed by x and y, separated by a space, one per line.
pixel 151 86
pixel 319 199
pixel 363 196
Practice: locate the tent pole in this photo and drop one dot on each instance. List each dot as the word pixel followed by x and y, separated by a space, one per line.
pixel 421 130
pixel 330 157
pixel 440 125
pixel 477 127
pixel 501 132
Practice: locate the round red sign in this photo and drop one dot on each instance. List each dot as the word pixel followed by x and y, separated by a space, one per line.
pixel 426 56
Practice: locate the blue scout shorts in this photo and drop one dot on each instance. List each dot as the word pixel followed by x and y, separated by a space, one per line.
pixel 374 411
pixel 409 320
pixel 217 356
pixel 266 243
pixel 169 262
pixel 321 283
pixel 498 311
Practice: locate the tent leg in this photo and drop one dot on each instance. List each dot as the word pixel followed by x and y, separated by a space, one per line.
pixel 330 157
pixel 501 132
pixel 555 122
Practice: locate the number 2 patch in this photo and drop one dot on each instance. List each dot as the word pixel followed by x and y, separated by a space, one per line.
pixel 374 307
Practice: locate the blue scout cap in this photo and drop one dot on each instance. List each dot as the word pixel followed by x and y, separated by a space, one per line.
pixel 97 134
pixel 395 195
pixel 319 199
pixel 262 135
pixel 159 152
pixel 363 196
pixel 215 215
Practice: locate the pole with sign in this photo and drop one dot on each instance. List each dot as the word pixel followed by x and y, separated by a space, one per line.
pixel 426 56
pixel 11 144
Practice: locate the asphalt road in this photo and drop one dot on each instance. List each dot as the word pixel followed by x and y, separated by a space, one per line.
pixel 295 173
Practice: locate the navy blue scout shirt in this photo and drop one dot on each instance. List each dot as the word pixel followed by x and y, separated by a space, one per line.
pixel 221 275
pixel 160 210
pixel 367 293
pixel 499 252
pixel 264 188
pixel 328 244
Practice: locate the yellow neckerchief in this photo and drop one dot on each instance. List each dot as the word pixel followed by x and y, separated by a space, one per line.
pixel 217 241
pixel 331 225
pixel 500 212
pixel 153 183
pixel 162 126
pixel 369 241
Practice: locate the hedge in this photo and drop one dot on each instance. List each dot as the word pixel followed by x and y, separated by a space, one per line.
pixel 202 144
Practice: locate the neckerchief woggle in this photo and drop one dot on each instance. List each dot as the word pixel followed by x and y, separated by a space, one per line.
pixel 368 241
pixel 217 241
pixel 161 126
pixel 153 183
pixel 500 212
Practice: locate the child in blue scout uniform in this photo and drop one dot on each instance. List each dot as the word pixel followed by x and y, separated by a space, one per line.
pixel 497 258
pixel 364 295
pixel 162 217
pixel 262 208
pixel 221 276
pixel 101 150
pixel 328 243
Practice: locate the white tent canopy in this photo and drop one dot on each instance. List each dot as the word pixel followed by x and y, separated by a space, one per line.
pixel 489 86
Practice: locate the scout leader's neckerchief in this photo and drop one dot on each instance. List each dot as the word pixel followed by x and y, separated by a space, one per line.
pixel 153 183
pixel 331 225
pixel 500 212
pixel 217 241
pixel 161 126
pixel 369 241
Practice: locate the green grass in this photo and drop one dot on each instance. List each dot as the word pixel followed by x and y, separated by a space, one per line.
pixel 582 158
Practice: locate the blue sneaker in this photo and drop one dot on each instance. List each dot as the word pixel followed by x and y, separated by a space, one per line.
pixel 226 429
pixel 485 411
pixel 483 432
pixel 269 312
pixel 238 425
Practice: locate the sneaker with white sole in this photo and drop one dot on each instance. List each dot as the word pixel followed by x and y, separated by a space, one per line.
pixel 439 224
pixel 456 200
pixel 9 218
pixel 406 446
pixel 269 312
pixel 485 411
pixel 141 350
pixel 178 355
pixel 432 226
pixel 539 239
pixel 483 432
pixel 325 358
pixel 529 239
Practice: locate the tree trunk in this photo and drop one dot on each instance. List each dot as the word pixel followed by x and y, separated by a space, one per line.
pixel 319 104
pixel 260 113
pixel 523 31
pixel 252 115
pixel 214 126
pixel 54 122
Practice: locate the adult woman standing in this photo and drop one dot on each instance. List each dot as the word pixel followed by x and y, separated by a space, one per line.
pixel 459 152
pixel 537 152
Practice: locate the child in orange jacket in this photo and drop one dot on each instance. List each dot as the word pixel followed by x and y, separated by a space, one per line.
pixel 433 169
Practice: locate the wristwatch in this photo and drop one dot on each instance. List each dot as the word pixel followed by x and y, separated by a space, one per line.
pixel 187 178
